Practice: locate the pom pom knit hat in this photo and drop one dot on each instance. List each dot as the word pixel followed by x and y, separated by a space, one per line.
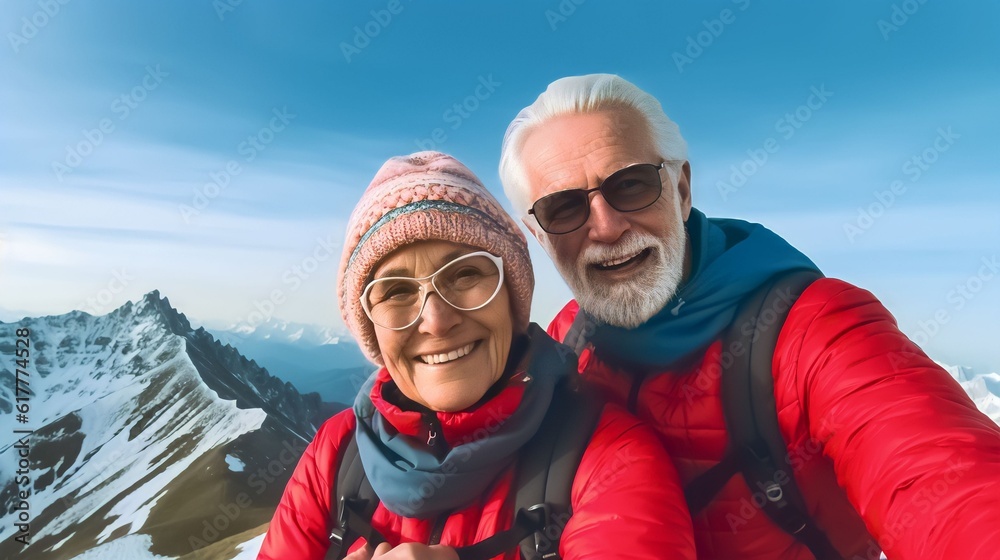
pixel 419 197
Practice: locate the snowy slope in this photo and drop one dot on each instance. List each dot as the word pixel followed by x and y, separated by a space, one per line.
pixel 139 422
pixel 133 547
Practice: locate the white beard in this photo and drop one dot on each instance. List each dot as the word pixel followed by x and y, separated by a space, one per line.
pixel 630 303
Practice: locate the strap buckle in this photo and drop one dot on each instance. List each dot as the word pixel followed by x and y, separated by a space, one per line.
pixel 344 514
pixel 540 514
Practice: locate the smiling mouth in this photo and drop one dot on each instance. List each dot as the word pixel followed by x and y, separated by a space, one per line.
pixel 447 356
pixel 622 262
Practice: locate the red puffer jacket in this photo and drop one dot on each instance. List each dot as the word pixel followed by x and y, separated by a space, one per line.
pixel 860 405
pixel 617 513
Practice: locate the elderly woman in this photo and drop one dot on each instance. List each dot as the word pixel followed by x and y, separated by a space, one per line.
pixel 435 283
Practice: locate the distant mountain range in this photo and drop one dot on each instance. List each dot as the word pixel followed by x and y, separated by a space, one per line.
pixel 313 359
pixel 285 332
pixel 142 426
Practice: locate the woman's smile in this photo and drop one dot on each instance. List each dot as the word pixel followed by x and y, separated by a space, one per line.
pixel 449 356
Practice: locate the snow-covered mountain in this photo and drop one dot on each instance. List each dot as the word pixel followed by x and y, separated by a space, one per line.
pixel 149 438
pixel 312 358
pixel 983 388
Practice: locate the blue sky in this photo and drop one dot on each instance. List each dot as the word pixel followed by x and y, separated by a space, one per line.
pixel 213 151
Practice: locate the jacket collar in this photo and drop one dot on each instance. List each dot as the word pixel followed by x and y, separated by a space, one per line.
pixel 411 418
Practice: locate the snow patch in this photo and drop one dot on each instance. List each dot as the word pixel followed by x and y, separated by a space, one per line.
pixel 249 549
pixel 133 547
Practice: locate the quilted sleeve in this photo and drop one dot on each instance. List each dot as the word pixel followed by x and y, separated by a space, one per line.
pixel 627 497
pixel 299 526
pixel 918 461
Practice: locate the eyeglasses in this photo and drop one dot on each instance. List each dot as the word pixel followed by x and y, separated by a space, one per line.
pixel 467 283
pixel 629 189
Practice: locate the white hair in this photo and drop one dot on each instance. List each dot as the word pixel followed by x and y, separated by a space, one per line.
pixel 584 94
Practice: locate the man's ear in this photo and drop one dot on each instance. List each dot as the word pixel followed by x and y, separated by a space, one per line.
pixel 532 225
pixel 684 189
pixel 538 233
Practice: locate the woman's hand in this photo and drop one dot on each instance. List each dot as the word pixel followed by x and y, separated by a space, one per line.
pixel 363 553
pixel 405 551
pixel 414 551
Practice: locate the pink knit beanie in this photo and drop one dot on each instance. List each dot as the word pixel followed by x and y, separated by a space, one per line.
pixel 427 196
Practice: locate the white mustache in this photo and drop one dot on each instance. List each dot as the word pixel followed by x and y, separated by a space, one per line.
pixel 625 248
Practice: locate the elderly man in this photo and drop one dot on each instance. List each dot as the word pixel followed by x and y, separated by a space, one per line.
pixel 878 448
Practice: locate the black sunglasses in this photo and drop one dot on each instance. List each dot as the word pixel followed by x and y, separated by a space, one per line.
pixel 629 189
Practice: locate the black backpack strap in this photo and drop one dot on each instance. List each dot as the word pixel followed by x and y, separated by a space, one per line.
pixel 751 414
pixel 699 492
pixel 549 463
pixel 742 338
pixel 526 523
pixel 579 332
pixel 352 504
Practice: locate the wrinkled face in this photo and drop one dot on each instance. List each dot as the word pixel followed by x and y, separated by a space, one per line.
pixel 448 359
pixel 622 267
